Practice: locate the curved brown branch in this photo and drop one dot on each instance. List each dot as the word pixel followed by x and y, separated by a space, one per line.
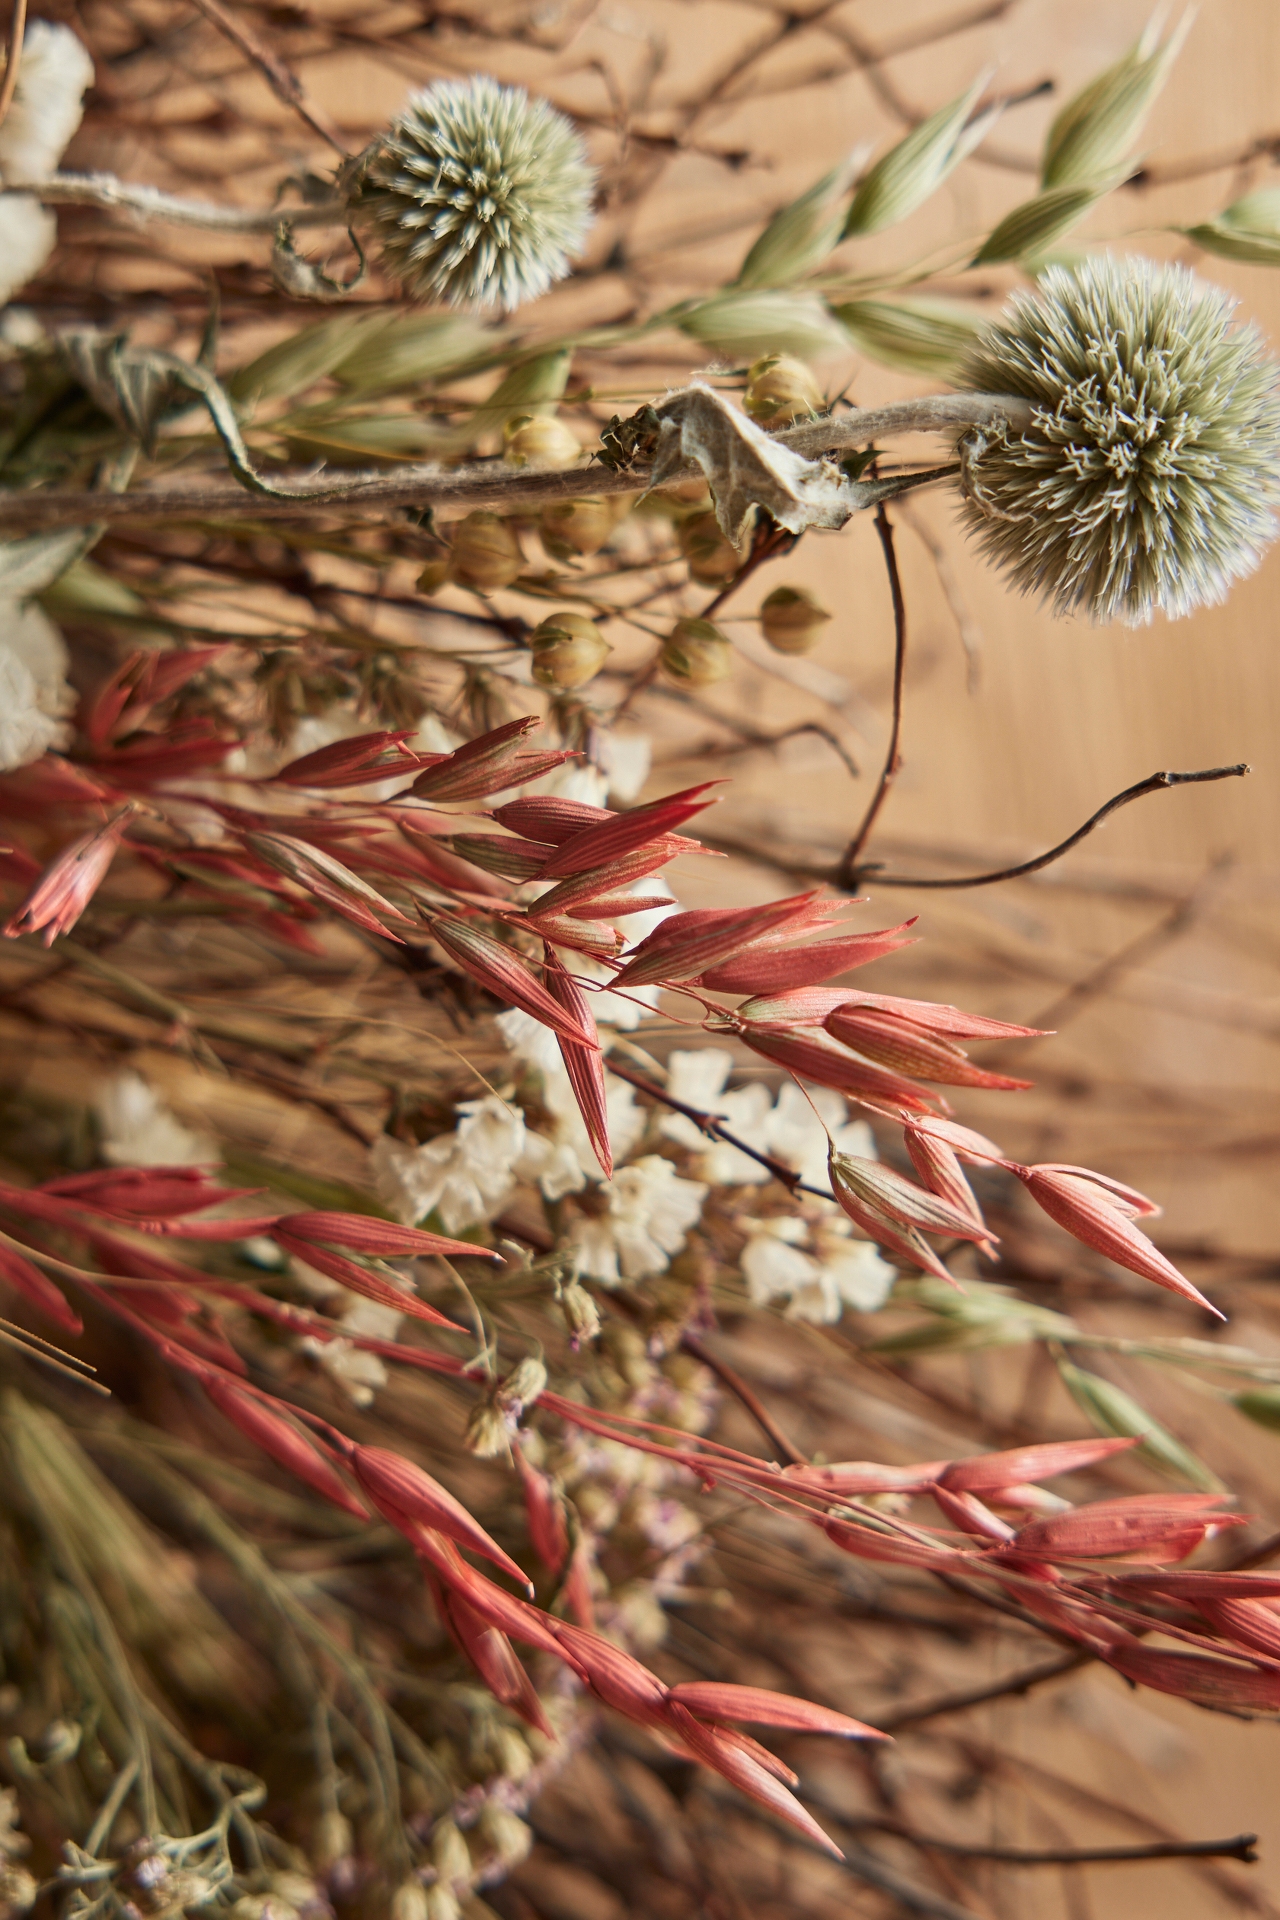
pixel 852 874
pixel 13 57
pixel 716 1130
pixel 734 1383
pixel 848 875
pixel 961 1701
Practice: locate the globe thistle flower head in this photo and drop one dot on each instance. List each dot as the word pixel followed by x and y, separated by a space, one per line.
pixel 1146 477
pixel 478 193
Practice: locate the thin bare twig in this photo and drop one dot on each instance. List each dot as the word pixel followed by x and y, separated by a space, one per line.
pixel 970 634
pixel 738 1387
pixel 285 84
pixel 13 56
pixel 716 1130
pixel 960 1702
pixel 851 874
pixel 1132 954
pixel 849 868
pixel 1243 1846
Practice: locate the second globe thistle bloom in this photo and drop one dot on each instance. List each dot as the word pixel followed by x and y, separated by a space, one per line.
pixel 1147 475
pixel 478 193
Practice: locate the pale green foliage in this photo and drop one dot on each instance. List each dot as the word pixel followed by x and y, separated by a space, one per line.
pixel 1029 230
pixel 923 335
pixel 1095 130
pixel 1146 479
pixel 1249 229
pixel 1113 1411
pixel 478 194
pixel 904 178
pixel 800 236
pixel 744 321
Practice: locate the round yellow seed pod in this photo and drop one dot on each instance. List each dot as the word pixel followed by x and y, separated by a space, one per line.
pixel 450 1854
pixel 331 1841
pixel 580 1312
pixel 486 553
pixel 791 620
pixel 780 390
pixel 578 526
pixel 696 654
pixel 568 650
pixel 713 559
pixel 538 440
pixel 409 1901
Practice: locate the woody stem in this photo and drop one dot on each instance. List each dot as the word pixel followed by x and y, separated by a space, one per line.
pixel 849 872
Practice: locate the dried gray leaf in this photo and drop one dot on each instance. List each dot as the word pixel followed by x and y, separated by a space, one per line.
pixel 29 566
pixel 746 469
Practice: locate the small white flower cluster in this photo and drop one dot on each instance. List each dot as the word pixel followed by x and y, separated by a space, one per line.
pixel 650 1212
pixel 138 1129
pixel 357 1373
pixel 43 116
pixel 34 696
pixel 793 1128
pixel 816 1266
pixel 815 1263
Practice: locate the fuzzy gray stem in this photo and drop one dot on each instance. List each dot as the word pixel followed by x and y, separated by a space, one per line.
pixel 933 413
pixel 148 203
pixel 486 484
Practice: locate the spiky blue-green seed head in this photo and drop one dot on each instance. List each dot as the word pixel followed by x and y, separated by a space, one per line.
pixel 1146 479
pixel 478 194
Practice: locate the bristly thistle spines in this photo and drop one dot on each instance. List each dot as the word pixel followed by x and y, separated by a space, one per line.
pixel 1146 478
pixel 478 193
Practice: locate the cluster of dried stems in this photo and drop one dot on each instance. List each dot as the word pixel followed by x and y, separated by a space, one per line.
pixel 223 1679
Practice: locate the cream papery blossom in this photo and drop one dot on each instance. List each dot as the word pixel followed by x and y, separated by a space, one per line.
pixel 463 1177
pixel 28 235
pixel 34 695
pixel 138 1129
pixel 357 1373
pixel 563 1161
pixel 835 1272
pixel 626 759
pixel 47 104
pixel 623 1011
pixel 787 1127
pixel 651 1210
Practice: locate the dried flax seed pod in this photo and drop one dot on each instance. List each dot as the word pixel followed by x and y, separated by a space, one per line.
pixel 568 650
pixel 534 440
pixel 791 620
pixel 696 654
pixel 486 553
pixel 713 560
pixel 579 526
pixel 781 389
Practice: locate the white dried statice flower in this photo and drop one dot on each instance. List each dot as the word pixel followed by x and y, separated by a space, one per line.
pixel 651 1210
pixel 356 1373
pixel 28 235
pixel 477 193
pixel 464 1177
pixel 818 1267
pixel 34 696
pixel 138 1129
pixel 46 109
pixel 563 1160
pixel 1146 478
pixel 788 1128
